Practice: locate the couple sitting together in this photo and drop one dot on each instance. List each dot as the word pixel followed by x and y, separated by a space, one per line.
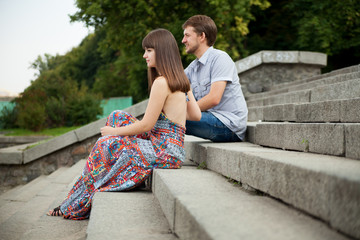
pixel 204 100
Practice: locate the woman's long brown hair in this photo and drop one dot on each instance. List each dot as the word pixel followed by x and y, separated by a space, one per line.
pixel 168 60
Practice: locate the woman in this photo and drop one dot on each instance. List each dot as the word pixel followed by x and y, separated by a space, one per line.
pixel 129 148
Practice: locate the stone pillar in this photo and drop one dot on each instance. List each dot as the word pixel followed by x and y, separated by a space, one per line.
pixel 260 71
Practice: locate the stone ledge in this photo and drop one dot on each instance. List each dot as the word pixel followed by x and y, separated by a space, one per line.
pixel 337 139
pixel 22 154
pixel 345 111
pixel 308 83
pixel 17 140
pixel 291 57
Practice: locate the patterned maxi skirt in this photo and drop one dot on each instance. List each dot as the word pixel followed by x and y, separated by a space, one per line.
pixel 118 163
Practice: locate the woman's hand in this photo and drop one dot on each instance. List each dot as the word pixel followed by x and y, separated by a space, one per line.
pixel 193 112
pixel 107 131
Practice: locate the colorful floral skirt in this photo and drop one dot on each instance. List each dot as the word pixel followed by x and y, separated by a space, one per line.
pixel 118 163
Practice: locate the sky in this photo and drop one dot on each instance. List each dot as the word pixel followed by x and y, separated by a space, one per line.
pixel 29 28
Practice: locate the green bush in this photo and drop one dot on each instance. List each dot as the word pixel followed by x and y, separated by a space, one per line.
pixel 56 111
pixel 83 110
pixel 32 116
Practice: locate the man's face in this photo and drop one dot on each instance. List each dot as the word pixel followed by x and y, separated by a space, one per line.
pixel 191 40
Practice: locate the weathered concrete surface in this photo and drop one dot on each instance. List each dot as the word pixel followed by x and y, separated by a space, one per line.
pixel 255 113
pixel 127 215
pixel 350 110
pixel 204 205
pixel 260 71
pixel 324 138
pixel 22 210
pixel 284 98
pixel 324 186
pixel 50 146
pixel 8 141
pixel 326 111
pixel 308 83
pixel 352 140
pixel 282 112
pixel 344 90
pixel 13 155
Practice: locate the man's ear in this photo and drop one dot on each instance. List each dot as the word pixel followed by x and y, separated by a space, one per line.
pixel 202 37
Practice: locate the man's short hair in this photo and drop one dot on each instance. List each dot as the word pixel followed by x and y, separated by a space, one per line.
pixel 203 24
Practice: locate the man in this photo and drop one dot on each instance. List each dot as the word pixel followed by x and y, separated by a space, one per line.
pixel 215 84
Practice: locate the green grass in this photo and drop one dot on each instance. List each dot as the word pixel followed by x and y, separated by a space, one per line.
pixel 46 132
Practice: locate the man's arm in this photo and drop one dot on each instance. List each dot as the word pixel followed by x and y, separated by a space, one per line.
pixel 213 98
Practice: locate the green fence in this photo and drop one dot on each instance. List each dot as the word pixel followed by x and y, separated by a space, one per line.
pixel 9 105
pixel 112 104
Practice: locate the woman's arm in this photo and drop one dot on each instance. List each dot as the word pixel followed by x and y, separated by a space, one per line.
pixel 193 112
pixel 158 95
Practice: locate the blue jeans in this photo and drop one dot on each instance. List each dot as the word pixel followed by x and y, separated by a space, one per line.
pixel 209 127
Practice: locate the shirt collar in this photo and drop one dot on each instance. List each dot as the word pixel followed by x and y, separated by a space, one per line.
pixel 205 56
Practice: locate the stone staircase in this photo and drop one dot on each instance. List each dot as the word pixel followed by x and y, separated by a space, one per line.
pixel 296 177
pixel 23 209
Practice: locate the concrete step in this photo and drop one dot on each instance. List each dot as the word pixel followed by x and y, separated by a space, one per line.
pixel 339 72
pixel 345 111
pixel 23 210
pixel 308 83
pixel 127 215
pixel 283 98
pixel 27 191
pixel 325 187
pixel 343 90
pixel 201 204
pixel 134 214
pixel 338 139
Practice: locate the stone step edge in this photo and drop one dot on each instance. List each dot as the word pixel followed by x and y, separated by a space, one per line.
pixel 285 87
pixel 316 94
pixel 304 85
pixel 331 184
pixel 336 139
pixel 201 204
pixel 334 73
pixel 345 111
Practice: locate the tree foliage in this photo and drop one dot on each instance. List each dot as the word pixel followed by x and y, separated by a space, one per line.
pixel 60 95
pixel 331 27
pixel 109 62
pixel 125 24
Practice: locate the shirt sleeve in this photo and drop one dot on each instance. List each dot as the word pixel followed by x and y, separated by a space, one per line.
pixel 222 68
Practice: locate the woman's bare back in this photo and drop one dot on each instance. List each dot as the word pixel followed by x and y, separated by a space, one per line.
pixel 175 107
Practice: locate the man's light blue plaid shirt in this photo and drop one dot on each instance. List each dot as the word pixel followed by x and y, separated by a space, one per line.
pixel 216 65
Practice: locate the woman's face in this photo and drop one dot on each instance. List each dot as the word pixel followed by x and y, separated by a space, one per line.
pixel 149 56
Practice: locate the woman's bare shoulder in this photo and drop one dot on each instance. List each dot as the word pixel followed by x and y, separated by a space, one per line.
pixel 161 82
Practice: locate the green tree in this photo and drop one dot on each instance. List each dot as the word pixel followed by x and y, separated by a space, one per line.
pixel 331 27
pixel 127 22
pixel 57 97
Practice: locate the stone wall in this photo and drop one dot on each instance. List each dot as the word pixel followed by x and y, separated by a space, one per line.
pixel 12 175
pixel 260 71
pixel 263 77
